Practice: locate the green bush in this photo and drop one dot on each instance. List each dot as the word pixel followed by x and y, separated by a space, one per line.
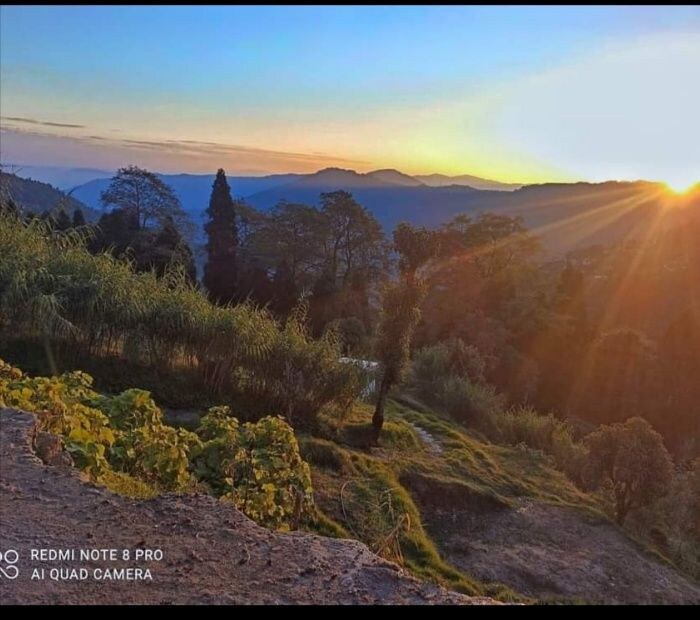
pixel 449 375
pixel 157 454
pixel 130 410
pixel 545 433
pixel 59 403
pixel 432 364
pixel 472 404
pixel 256 466
pixel 125 445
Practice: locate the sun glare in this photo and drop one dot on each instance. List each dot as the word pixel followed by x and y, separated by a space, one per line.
pixel 680 187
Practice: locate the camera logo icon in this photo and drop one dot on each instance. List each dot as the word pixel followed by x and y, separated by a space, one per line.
pixel 8 559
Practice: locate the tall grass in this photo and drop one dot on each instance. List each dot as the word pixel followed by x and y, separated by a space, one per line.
pixel 53 289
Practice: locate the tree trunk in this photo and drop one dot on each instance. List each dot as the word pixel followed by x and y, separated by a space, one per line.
pixel 378 417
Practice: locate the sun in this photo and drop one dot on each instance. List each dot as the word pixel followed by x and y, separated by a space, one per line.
pixel 681 186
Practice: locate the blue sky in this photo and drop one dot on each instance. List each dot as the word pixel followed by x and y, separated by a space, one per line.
pixel 515 93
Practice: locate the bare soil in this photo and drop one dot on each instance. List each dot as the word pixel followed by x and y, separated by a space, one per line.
pixel 211 552
pixel 549 552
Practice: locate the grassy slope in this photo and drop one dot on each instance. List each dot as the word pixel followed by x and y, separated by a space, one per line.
pixel 372 494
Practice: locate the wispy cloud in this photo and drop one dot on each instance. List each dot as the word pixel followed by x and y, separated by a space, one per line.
pixel 181 154
pixel 34 121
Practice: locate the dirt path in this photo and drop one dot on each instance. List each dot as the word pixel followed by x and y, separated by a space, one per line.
pixel 430 442
pixel 211 552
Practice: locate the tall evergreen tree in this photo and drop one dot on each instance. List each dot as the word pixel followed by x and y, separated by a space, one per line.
pixel 221 268
pixel 78 218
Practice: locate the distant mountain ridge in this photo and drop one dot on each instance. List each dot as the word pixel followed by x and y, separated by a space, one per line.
pixel 442 180
pixel 60 177
pixel 566 216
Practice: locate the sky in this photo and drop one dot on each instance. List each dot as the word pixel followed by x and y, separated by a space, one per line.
pixel 516 94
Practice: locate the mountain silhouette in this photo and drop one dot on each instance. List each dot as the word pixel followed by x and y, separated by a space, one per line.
pixel 566 216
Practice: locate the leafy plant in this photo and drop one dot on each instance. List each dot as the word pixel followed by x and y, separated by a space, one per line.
pixel 122 442
pixel 59 403
pixel 256 466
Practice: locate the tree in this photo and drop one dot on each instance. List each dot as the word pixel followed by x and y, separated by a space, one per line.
pixel 492 242
pixel 143 193
pixel 169 248
pixel 679 352
pixel 632 458
pixel 401 310
pixel 221 268
pixel 78 218
pixel 620 378
pixel 254 284
pixel 354 240
pixel 116 231
pixel 284 290
pixel 62 221
pixel 292 233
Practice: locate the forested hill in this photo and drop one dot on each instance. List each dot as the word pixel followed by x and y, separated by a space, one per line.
pixel 37 197
pixel 565 215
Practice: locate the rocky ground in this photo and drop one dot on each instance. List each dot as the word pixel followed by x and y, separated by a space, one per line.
pixel 211 552
pixel 558 553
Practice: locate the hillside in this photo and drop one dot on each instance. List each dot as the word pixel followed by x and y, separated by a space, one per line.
pixel 212 554
pixel 494 514
pixel 61 177
pixel 37 197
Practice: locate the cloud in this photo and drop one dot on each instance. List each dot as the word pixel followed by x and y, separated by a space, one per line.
pixel 50 148
pixel 33 121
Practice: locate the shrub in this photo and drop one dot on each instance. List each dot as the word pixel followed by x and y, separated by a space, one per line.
pixel 59 405
pixel 256 466
pixel 546 433
pixel 126 446
pixel 157 454
pixel 470 403
pixel 53 289
pixel 631 458
pixel 432 364
pixel 130 410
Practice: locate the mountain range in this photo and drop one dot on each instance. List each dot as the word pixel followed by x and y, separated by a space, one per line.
pixel 564 215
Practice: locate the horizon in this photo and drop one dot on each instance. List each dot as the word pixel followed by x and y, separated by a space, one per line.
pixel 12 168
pixel 584 94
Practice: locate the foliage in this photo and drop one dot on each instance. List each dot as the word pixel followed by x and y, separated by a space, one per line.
pixel 632 459
pixel 474 404
pixel 157 454
pixel 221 269
pixel 448 375
pixel 60 403
pixel 451 357
pixel 620 377
pixel 352 334
pixel 400 315
pixel 546 433
pixel 401 310
pixel 256 466
pixel 122 442
pixel 144 195
pixel 95 305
